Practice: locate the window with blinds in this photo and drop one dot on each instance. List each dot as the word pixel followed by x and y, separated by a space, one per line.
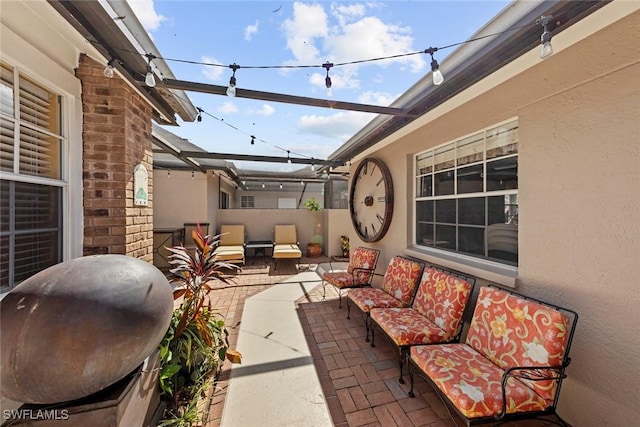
pixel 466 195
pixel 31 188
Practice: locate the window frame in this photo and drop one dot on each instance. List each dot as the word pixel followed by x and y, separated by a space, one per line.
pixel 64 101
pixel 244 201
pixel 455 255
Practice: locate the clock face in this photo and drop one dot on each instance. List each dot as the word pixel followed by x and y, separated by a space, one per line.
pixel 371 199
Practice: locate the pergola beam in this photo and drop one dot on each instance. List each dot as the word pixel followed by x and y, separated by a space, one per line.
pixel 254 158
pixel 287 99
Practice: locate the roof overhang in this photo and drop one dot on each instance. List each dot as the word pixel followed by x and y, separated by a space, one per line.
pixel 115 31
pixel 506 37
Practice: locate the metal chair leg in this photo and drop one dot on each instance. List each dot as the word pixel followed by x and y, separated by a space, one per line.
pixel 373 334
pixel 402 359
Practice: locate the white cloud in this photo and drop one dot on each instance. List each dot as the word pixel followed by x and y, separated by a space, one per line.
pixel 308 23
pixel 376 98
pixel 370 38
pixel 353 34
pixel 250 30
pixel 265 110
pixel 227 107
pixel 146 13
pixel 341 125
pixel 211 72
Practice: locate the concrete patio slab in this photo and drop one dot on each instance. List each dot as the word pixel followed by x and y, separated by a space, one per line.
pixel 277 379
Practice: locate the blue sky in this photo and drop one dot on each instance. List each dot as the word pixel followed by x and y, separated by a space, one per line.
pixel 267 33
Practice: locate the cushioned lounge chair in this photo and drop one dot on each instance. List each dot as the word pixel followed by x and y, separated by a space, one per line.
pixel 232 245
pixel 285 244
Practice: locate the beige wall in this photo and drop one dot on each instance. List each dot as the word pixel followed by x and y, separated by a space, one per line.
pixel 178 198
pixel 579 190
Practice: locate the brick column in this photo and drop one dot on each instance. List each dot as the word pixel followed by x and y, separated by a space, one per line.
pixel 116 137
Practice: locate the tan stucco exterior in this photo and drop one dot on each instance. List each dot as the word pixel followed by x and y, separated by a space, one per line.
pixel 579 196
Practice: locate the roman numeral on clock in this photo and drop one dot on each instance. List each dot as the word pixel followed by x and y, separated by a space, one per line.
pixel 380 218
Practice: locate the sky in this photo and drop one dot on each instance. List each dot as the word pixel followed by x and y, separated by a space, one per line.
pixel 300 33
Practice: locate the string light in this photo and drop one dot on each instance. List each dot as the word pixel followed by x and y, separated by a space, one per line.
pixel 302 183
pixel 193 174
pixel 231 90
pixel 263 185
pixel 546 50
pixel 436 74
pixel 328 65
pixel 253 140
pixel 149 79
pixel 199 118
pixel 327 81
pixel 108 71
pixel 168 173
pixel 281 186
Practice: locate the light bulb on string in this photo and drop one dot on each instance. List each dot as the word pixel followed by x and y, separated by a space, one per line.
pixel 253 140
pixel 193 174
pixel 281 186
pixel 436 74
pixel 168 173
pixel 263 185
pixel 231 90
pixel 301 182
pixel 327 81
pixel 149 79
pixel 200 110
pixel 546 50
pixel 108 71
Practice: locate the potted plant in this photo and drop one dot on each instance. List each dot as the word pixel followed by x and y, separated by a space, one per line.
pixel 196 343
pixel 344 245
pixel 314 248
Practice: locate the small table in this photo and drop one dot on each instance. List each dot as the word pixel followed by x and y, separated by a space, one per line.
pixel 260 247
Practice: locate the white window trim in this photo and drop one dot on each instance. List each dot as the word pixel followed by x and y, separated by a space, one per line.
pixel 64 83
pixel 482 268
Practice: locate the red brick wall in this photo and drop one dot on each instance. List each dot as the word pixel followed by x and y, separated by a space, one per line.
pixel 116 137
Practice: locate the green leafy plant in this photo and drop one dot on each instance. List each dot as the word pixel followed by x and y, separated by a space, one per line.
pixel 196 342
pixel 311 204
pixel 344 244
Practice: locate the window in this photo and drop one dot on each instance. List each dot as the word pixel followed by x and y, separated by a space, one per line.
pixel 31 188
pixel 246 202
pixel 224 200
pixel 466 195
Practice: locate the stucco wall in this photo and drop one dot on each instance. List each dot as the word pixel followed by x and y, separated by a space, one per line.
pixel 178 198
pixel 579 181
pixel 579 233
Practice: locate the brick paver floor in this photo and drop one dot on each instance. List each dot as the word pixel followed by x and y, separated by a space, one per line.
pixel 360 382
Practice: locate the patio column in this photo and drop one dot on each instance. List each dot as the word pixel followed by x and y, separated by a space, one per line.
pixel 116 137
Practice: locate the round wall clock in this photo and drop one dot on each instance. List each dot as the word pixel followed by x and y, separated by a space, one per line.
pixel 371 199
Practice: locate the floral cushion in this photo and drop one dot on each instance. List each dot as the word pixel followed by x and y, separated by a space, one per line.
pixel 511 331
pixel 359 271
pixel 339 279
pixel 442 298
pixel 367 298
pixel 473 383
pixel 361 260
pixel 401 278
pixel 405 326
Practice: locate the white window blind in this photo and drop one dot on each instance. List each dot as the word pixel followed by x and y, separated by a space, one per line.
pixel 31 212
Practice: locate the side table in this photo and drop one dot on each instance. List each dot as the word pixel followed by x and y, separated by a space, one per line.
pixel 260 247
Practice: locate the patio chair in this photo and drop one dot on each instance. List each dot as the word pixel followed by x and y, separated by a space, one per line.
pixel 189 227
pixel 231 246
pixel 398 289
pixel 362 265
pixel 285 244
pixel 434 317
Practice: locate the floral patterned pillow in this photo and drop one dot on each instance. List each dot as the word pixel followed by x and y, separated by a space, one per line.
pixel 511 331
pixel 401 279
pixel 442 298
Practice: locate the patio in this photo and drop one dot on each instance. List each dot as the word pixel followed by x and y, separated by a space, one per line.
pixel 358 383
